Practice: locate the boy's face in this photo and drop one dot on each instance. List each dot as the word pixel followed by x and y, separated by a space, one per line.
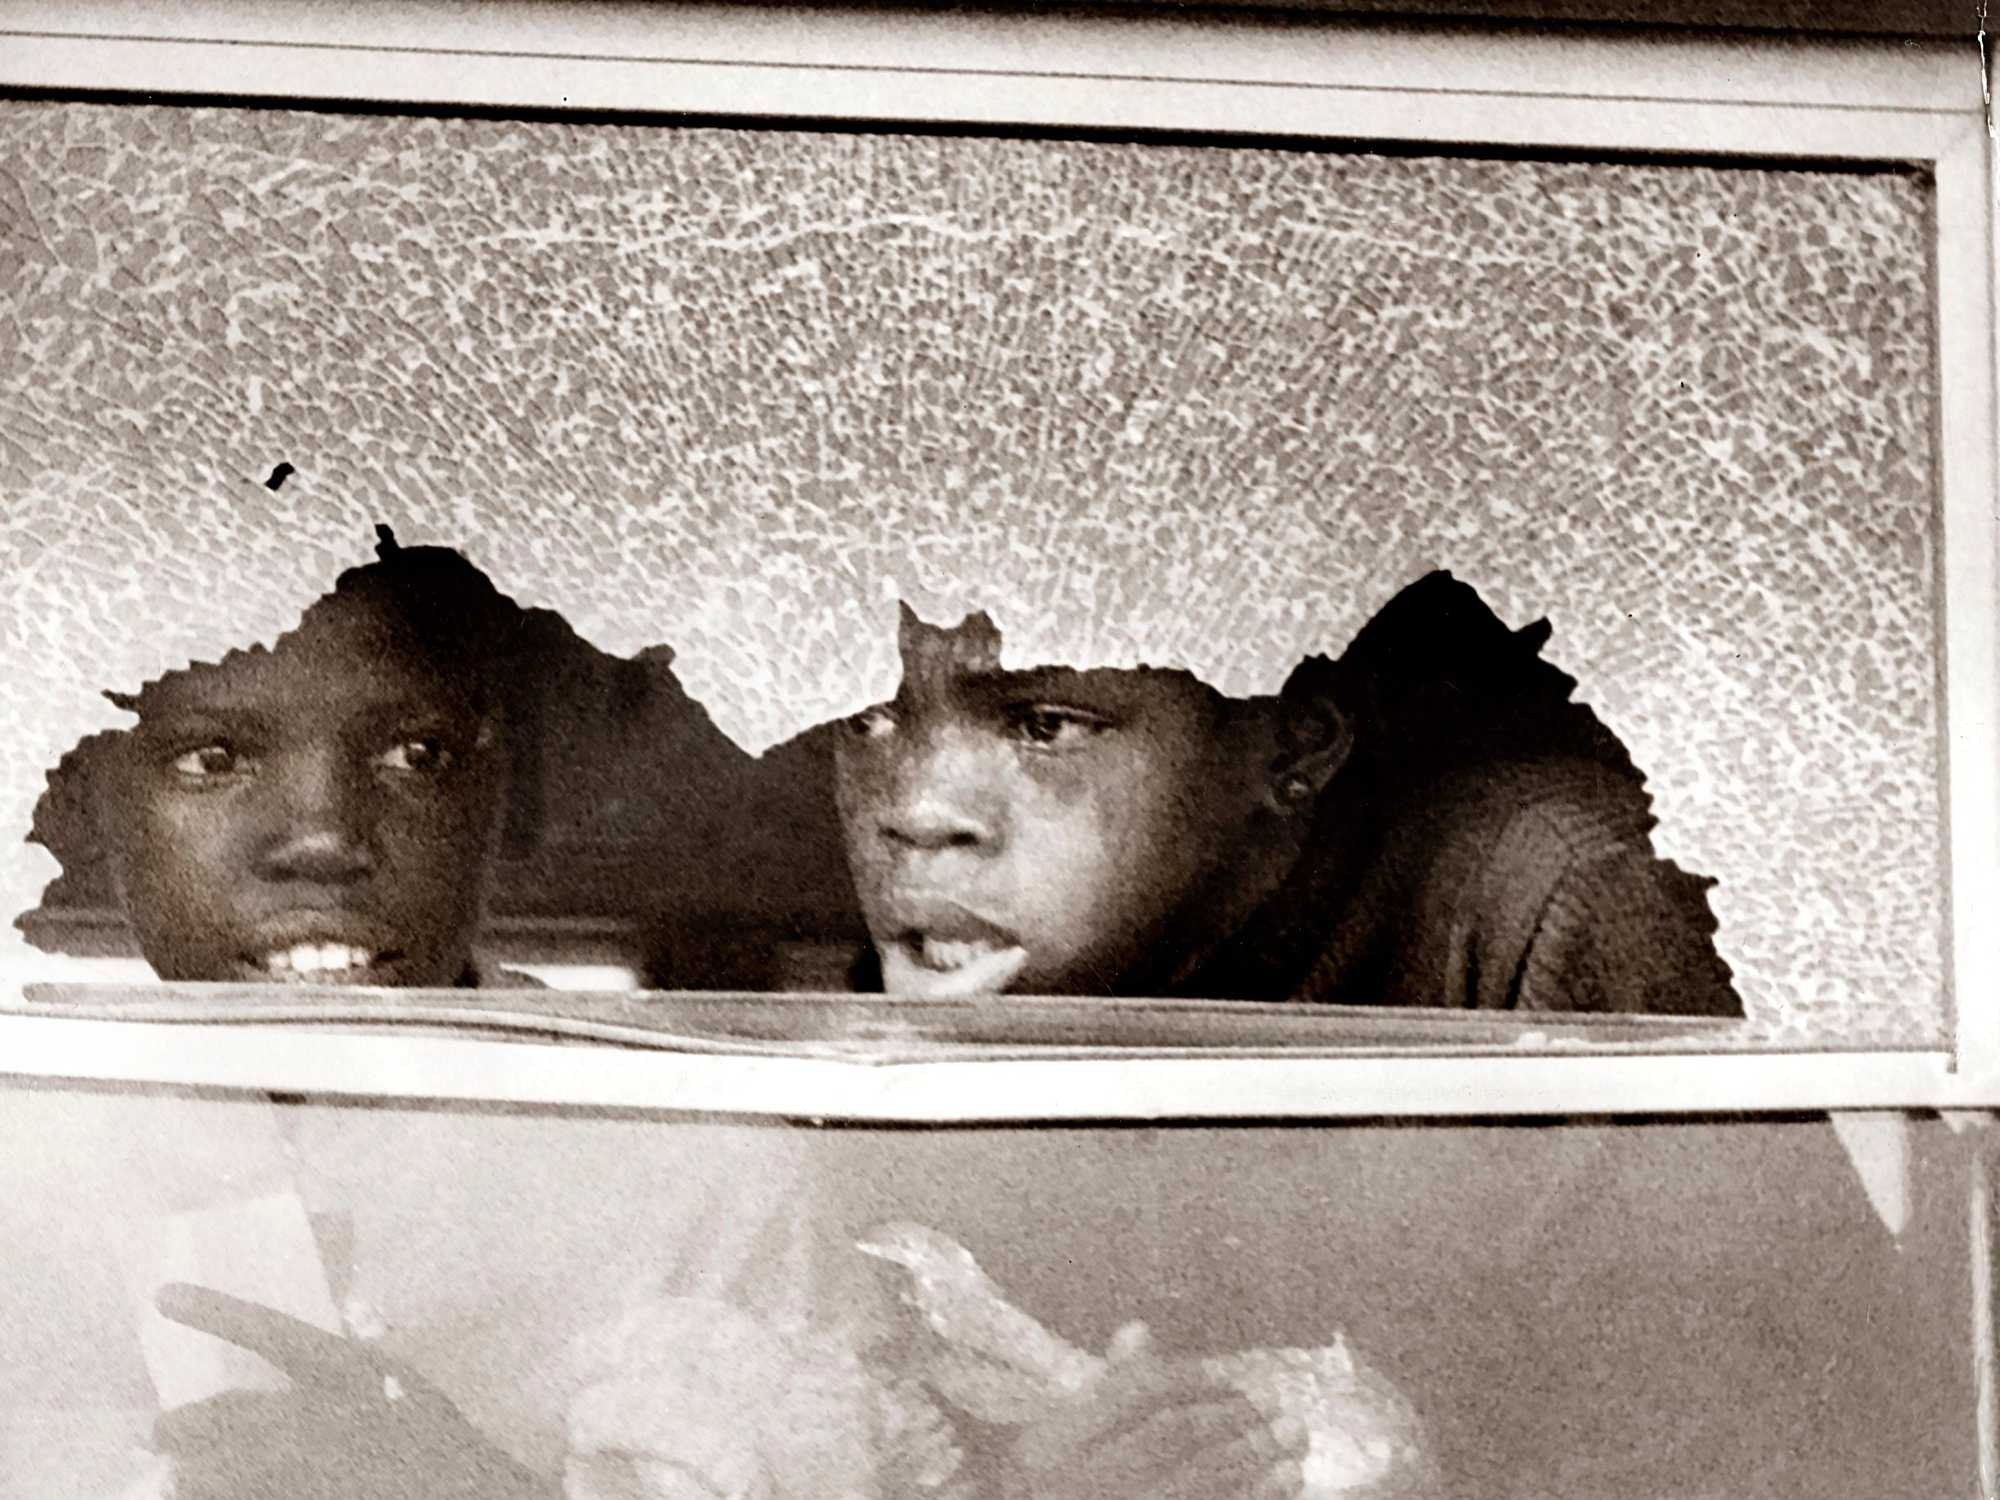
pixel 322 812
pixel 1043 831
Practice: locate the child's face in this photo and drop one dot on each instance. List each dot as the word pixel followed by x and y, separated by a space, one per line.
pixel 1036 831
pixel 320 813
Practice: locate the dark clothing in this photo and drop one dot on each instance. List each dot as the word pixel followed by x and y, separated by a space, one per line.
pixel 1487 845
pixel 1527 887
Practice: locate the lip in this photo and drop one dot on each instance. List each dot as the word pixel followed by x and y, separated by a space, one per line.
pixel 934 946
pixel 319 924
pixel 323 928
pixel 944 918
pixel 905 972
pixel 384 972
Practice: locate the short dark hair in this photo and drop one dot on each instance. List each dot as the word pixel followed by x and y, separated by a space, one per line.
pixel 1436 679
pixel 458 620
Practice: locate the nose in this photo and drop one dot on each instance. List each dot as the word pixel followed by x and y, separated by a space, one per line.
pixel 320 828
pixel 933 822
pixel 942 796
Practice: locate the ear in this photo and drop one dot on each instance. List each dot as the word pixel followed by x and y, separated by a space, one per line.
pixel 1315 737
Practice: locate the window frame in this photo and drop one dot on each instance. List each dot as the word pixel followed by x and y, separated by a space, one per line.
pixel 1678 95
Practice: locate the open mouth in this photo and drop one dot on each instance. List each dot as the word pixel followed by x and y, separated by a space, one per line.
pixel 951 955
pixel 932 967
pixel 323 963
pixel 936 946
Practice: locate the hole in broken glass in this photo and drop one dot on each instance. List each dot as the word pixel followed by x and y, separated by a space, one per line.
pixel 427 785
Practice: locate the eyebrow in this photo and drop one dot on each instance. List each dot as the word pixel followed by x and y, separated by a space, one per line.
pixel 182 718
pixel 992 690
pixel 365 714
pixel 410 706
pixel 994 680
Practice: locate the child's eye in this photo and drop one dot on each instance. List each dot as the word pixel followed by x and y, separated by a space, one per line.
pixel 203 762
pixel 424 755
pixel 872 723
pixel 1049 726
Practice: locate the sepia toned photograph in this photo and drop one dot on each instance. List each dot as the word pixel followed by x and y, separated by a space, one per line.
pixel 1232 588
pixel 1428 821
pixel 830 752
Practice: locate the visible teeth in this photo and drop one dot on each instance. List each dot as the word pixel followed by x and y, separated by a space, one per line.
pixel 318 958
pixel 916 969
pixel 948 954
